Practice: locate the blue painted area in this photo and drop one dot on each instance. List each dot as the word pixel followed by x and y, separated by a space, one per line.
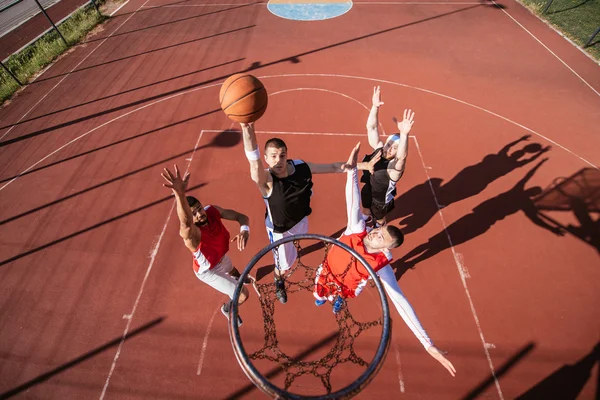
pixel 309 11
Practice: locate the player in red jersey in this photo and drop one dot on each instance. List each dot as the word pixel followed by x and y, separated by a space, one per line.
pixel 207 238
pixel 341 276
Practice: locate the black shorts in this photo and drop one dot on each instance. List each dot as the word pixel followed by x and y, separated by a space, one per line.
pixel 378 210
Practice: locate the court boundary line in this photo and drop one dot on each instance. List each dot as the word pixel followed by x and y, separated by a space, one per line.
pixel 561 34
pixel 153 253
pixel 546 47
pixel 461 272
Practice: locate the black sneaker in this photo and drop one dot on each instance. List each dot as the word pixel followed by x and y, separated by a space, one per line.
pixel 225 311
pixel 280 290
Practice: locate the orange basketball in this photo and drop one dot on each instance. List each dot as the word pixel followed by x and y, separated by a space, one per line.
pixel 243 98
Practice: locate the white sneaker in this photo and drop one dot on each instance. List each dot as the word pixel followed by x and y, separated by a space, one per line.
pixel 225 311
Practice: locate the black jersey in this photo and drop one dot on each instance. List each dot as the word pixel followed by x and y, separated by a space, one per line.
pixel 379 184
pixel 289 200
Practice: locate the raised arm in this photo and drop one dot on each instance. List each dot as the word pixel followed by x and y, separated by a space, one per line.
pixel 399 164
pixel 243 220
pixel 386 274
pixel 356 223
pixel 259 175
pixel 187 230
pixel 373 120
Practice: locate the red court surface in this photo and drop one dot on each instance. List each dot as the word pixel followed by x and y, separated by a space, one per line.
pixel 98 298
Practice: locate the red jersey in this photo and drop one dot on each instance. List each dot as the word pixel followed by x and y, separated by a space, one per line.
pixel 214 243
pixel 348 273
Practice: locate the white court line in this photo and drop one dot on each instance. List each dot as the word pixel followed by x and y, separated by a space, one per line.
pixel 121 6
pixel 549 25
pixel 461 273
pixel 306 75
pixel 69 73
pixel 205 342
pixel 440 95
pixel 547 48
pixel 137 300
pixel 400 375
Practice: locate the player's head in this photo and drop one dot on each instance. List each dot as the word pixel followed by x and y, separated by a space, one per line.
pixel 276 156
pixel 385 237
pixel 390 148
pixel 198 213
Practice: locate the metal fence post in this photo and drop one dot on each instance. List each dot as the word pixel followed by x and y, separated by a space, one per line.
pixel 10 73
pixel 547 6
pixel 46 14
pixel 591 39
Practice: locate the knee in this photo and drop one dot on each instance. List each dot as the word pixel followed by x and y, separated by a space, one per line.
pixel 244 295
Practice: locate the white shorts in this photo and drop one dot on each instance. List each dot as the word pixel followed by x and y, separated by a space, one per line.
pixel 287 252
pixel 219 278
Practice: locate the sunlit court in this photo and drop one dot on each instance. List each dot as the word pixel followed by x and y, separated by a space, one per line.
pixel 115 285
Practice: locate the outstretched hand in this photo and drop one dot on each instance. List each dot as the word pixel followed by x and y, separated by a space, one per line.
pixel 373 161
pixel 377 97
pixel 174 181
pixel 352 160
pixel 440 356
pixel 407 122
pixel 242 239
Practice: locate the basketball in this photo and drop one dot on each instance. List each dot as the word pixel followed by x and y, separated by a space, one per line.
pixel 243 98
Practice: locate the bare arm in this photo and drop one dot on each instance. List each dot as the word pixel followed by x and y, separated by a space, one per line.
pixel 187 230
pixel 259 175
pixel 404 126
pixel 373 120
pixel 356 224
pixel 243 220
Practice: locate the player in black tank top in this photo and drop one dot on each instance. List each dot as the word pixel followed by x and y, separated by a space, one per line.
pixel 286 187
pixel 289 201
pixel 385 166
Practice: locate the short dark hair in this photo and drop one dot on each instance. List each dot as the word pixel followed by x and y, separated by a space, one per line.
pixel 192 201
pixel 396 235
pixel 275 142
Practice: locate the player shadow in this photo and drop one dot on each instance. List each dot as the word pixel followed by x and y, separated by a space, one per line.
pixel 268 269
pixel 567 382
pixel 578 194
pixel 227 138
pixel 91 228
pixel 417 205
pixel 479 221
pixel 48 375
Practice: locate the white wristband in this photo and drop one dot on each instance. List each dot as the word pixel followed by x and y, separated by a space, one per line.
pixel 245 228
pixel 253 155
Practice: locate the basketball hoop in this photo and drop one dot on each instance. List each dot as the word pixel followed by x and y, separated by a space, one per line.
pixel 349 330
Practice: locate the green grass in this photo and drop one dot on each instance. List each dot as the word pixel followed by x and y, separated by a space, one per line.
pixel 576 19
pixel 29 61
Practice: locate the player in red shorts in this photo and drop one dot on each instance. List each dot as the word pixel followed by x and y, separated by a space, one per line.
pixel 341 276
pixel 207 238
